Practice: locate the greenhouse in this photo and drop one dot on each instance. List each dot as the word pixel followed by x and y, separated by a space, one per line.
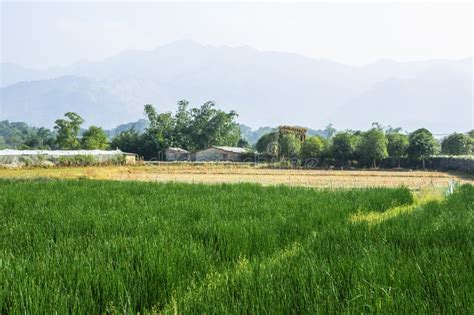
pixel 35 157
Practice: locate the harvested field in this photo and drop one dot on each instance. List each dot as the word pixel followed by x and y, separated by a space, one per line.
pixel 235 173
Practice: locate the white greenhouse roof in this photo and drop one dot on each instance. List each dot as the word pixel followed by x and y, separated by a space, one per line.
pixel 60 152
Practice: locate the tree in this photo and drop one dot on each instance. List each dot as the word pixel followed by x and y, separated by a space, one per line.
pixel 94 138
pixel 191 129
pixel 129 141
pixel 422 145
pixel 457 144
pixel 344 146
pixel 312 148
pixel 182 126
pixel 210 126
pixel 41 138
pixel 397 146
pixel 290 146
pixel 243 143
pixel 471 134
pixel 373 146
pixel 161 130
pixel 268 143
pixel 68 130
pixel 329 131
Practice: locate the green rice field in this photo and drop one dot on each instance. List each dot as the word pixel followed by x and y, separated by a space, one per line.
pixel 95 247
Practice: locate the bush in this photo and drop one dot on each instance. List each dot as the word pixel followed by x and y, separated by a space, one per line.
pixel 77 160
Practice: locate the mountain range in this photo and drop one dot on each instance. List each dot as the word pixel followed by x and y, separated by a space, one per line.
pixel 265 88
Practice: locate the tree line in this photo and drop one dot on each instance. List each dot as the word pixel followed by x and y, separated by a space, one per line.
pixel 365 148
pixel 201 127
pixel 188 128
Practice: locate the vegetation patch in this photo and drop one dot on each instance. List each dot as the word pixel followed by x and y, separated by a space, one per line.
pixel 85 246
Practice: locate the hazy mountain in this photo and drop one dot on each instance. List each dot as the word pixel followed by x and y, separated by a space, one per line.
pixel 439 98
pixel 265 88
pixel 138 126
pixel 11 73
pixel 40 103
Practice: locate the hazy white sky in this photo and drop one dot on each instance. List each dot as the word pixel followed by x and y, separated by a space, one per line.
pixel 41 34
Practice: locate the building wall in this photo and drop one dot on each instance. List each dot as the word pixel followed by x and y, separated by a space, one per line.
pixel 172 155
pixel 213 154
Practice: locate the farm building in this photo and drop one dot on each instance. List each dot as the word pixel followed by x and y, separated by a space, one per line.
pixel 177 154
pixel 232 154
pixel 31 157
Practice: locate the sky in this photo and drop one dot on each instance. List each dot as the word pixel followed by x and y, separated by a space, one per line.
pixel 49 34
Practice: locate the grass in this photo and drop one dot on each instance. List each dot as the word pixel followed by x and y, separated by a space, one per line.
pixel 83 246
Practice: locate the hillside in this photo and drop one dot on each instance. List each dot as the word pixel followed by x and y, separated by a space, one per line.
pixel 265 88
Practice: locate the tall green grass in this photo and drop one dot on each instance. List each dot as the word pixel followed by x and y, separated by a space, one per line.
pixel 114 247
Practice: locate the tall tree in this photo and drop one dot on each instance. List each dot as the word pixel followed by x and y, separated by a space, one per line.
pixel 191 129
pixel 344 146
pixel 312 148
pixel 161 129
pixel 457 144
pixel 94 138
pixel 268 143
pixel 211 126
pixel 422 145
pixel 68 131
pixel 397 146
pixel 290 146
pixel 182 125
pixel 329 131
pixel 373 145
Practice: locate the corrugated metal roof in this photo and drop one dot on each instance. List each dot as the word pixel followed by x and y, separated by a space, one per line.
pixel 60 152
pixel 178 149
pixel 233 149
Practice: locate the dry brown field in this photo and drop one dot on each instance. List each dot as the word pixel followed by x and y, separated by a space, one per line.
pixel 237 173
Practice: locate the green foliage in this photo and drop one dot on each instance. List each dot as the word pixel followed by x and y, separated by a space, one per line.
pixel 18 135
pixel 192 129
pixel 457 144
pixel 136 247
pixel 344 145
pixel 422 145
pixel 268 143
pixel 94 138
pixel 243 143
pixel 145 145
pixel 373 146
pixel 290 146
pixel 77 160
pixel 68 131
pixel 127 141
pixel 252 136
pixel 397 145
pixel 329 131
pixel 313 147
pixel 210 126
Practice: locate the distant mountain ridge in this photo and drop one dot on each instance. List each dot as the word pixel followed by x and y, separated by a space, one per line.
pixel 265 88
